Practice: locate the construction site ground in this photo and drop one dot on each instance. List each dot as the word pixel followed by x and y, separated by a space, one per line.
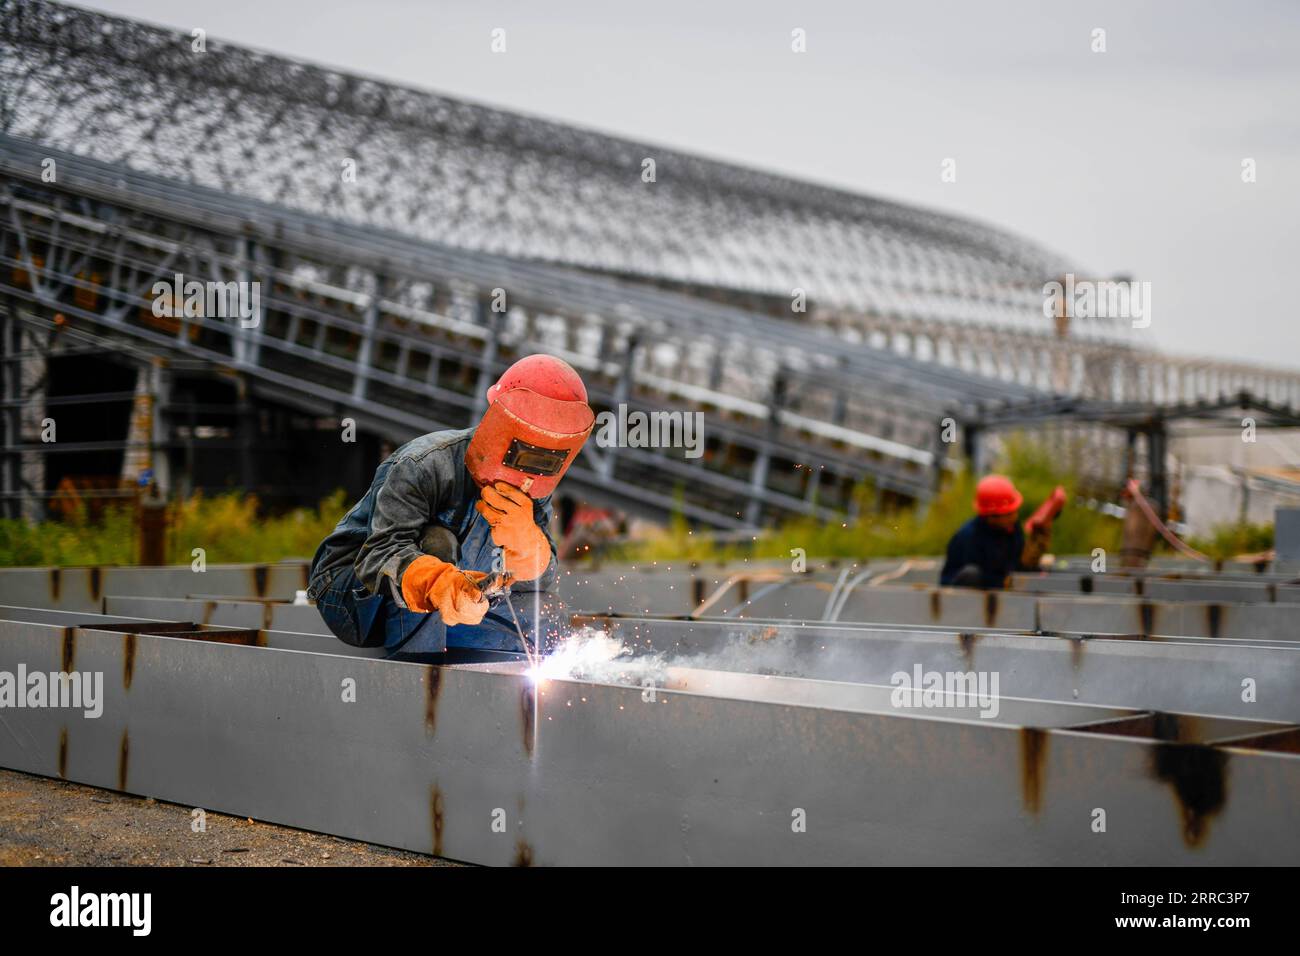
pixel 46 822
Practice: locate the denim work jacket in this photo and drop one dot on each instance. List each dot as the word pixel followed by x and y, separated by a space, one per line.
pixel 423 483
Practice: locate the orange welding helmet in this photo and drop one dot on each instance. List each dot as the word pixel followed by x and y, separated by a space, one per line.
pixel 996 495
pixel 537 421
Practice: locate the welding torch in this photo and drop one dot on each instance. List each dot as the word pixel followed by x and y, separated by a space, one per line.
pixel 497 585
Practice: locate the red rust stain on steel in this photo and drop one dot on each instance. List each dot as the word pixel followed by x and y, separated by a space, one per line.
pixel 990 608
pixel 435 811
pixel 1213 618
pixel 1147 613
pixel 1198 775
pixel 523 854
pixel 432 688
pixel 123 755
pixel 128 659
pixel 63 753
pixel 1033 760
pixel 96 582
pixel 69 648
pixel 936 604
pixel 56 581
pixel 259 580
pixel 967 642
pixel 528 714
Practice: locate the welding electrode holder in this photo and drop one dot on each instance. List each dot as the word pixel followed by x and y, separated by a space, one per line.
pixel 441 543
pixel 495 585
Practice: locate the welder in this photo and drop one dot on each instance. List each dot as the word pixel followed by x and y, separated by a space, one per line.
pixel 451 544
pixel 990 546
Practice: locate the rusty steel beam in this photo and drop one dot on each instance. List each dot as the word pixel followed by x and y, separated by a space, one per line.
pixel 84 588
pixel 1195 675
pixel 472 763
pixel 1208 588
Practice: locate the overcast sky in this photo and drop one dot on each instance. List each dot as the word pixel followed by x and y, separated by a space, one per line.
pixel 1127 161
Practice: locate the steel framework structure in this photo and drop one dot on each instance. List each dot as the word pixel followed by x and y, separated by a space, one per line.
pixel 475 762
pixel 264 127
pixel 128 155
pixel 745 742
pixel 415 350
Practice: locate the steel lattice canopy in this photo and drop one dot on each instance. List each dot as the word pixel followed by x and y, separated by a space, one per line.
pixel 444 170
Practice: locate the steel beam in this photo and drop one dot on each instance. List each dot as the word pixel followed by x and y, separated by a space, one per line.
pixel 83 589
pixel 1161 588
pixel 1050 612
pixel 1181 674
pixel 1185 675
pixel 472 763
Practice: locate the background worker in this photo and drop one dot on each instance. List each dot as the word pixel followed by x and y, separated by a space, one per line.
pixel 404 566
pixel 987 548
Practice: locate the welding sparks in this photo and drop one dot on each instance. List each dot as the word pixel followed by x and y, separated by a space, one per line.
pixel 592 655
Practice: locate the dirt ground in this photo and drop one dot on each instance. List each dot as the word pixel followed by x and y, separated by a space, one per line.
pixel 46 822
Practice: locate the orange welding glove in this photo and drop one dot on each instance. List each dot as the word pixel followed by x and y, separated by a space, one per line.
pixel 431 585
pixel 510 513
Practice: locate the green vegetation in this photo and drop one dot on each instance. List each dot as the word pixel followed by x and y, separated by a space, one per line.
pixel 912 531
pixel 227 527
pixel 1228 540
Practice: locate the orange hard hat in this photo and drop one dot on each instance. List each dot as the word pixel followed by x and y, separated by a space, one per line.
pixel 537 421
pixel 996 495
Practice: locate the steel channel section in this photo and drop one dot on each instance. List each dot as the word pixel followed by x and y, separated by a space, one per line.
pixel 972 632
pixel 765 649
pixel 219 615
pixel 876 698
pixel 1183 589
pixel 1250 622
pixel 798 599
pixel 676 592
pixel 1252 610
pixel 1189 677
pixel 83 589
pixel 631 586
pixel 265 615
pixel 958 607
pixel 428 758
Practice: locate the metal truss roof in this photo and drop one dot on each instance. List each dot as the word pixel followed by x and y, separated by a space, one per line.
pixel 432 168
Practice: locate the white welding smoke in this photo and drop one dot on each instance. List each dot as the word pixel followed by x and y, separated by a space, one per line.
pixel 590 654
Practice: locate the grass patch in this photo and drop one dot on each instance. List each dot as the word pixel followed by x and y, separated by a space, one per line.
pixel 227 527
pixel 1228 540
